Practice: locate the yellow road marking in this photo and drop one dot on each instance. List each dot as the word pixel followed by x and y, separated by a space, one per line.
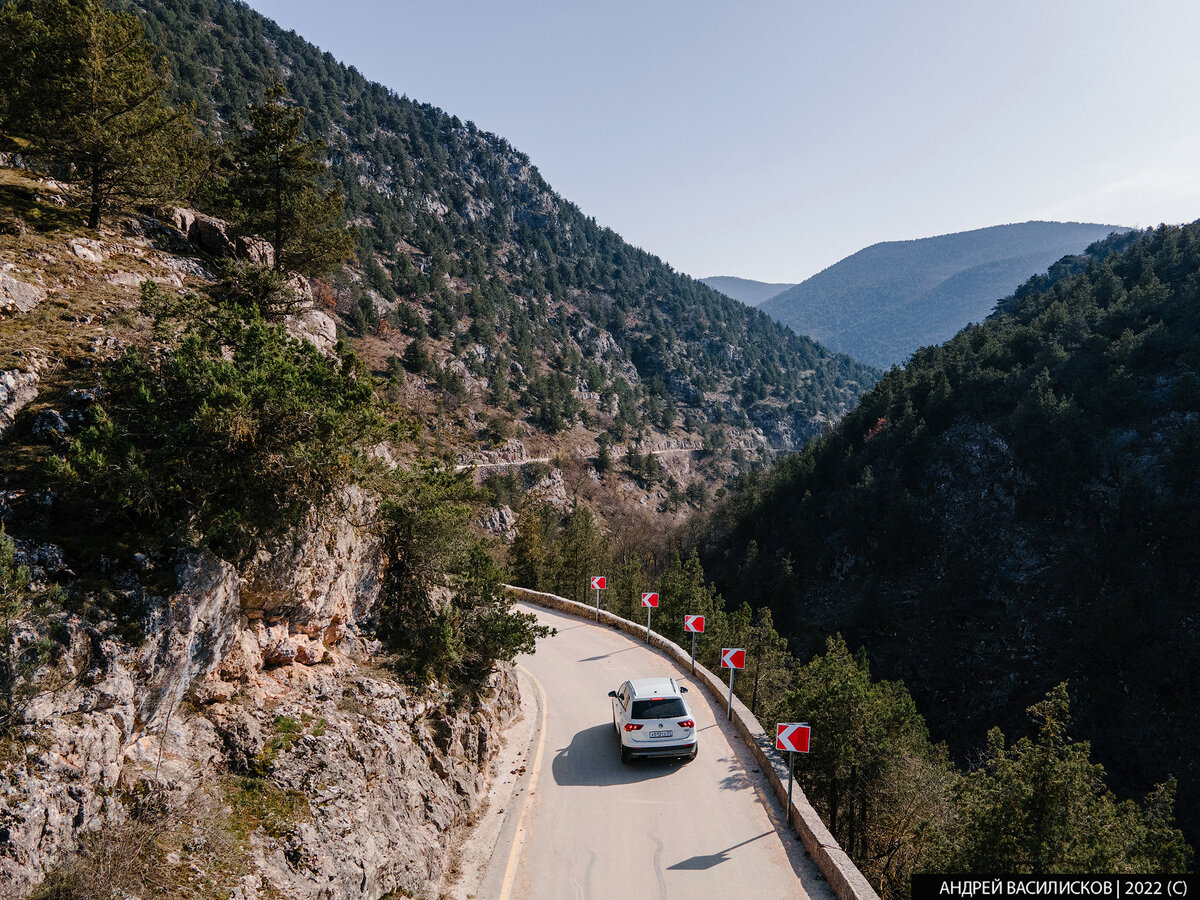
pixel 510 870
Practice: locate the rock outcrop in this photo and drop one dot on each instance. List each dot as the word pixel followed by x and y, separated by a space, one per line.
pixel 254 716
pixel 17 388
pixel 19 291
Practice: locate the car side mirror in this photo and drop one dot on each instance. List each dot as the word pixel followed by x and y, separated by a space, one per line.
pixel 612 694
pixel 682 689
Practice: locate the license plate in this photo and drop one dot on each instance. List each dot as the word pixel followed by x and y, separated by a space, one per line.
pixel 655 734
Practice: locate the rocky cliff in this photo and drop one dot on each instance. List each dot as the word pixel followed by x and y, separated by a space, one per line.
pixel 250 744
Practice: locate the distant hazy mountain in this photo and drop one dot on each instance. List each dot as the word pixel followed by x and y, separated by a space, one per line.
pixel 748 291
pixel 885 301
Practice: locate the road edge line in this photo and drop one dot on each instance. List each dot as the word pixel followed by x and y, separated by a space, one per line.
pixel 510 869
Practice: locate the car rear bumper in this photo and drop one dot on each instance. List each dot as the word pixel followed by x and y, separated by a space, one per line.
pixel 661 750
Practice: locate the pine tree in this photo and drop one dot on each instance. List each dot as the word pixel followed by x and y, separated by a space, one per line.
pixel 276 182
pixel 1040 806
pixel 872 772
pixel 533 554
pixel 83 97
pixel 581 553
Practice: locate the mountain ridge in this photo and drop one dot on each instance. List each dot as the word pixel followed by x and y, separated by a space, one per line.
pixel 463 244
pixel 747 290
pixel 886 300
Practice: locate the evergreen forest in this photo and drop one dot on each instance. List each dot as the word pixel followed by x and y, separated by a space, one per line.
pixel 1013 510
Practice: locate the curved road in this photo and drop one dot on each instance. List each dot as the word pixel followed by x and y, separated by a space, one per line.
pixel 590 827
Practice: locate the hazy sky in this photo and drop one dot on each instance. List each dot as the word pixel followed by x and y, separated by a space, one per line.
pixel 769 140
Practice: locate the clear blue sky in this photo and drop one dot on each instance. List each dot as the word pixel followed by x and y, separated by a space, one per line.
pixel 769 140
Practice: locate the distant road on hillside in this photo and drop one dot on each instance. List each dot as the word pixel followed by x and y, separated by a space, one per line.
pixel 617 453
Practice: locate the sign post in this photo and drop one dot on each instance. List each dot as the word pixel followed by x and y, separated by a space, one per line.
pixel 732 658
pixel 791 737
pixel 598 582
pixel 649 600
pixel 694 624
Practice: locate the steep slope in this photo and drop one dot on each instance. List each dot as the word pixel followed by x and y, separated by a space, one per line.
pixel 885 301
pixel 750 292
pixel 550 321
pixel 1015 508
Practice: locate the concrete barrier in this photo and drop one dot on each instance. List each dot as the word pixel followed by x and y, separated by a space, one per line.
pixel 841 873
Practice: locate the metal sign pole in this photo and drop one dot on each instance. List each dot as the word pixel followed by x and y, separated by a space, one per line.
pixel 693 653
pixel 597 604
pixel 791 766
pixel 649 609
pixel 729 714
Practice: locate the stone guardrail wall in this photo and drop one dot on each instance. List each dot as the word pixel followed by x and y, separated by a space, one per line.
pixel 843 876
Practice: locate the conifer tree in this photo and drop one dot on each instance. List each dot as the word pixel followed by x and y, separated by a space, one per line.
pixel 533 553
pixel 83 97
pixel 277 182
pixel 1040 806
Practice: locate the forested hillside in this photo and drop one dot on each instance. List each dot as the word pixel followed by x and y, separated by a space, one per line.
pixel 885 301
pixel 548 318
pixel 1013 509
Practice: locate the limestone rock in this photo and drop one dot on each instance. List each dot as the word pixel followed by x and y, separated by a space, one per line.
pixel 314 326
pixel 19 293
pixel 209 235
pixel 198 624
pixel 500 522
pixel 17 388
pixel 88 250
pixel 50 426
pixel 368 776
pixel 321 581
pixel 256 250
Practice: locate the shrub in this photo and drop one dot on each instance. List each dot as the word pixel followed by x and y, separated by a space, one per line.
pixel 445 612
pixel 234 431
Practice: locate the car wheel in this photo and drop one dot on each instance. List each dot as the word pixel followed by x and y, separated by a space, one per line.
pixel 692 755
pixel 626 756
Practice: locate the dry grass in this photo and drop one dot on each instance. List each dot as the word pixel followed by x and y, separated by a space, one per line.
pixel 187 852
pixel 21 198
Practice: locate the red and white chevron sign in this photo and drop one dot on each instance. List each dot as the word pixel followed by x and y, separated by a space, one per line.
pixel 792 736
pixel 650 600
pixel 694 623
pixel 598 582
pixel 733 658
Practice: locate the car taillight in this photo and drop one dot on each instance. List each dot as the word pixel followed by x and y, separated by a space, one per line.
pixel 687 723
pixel 632 726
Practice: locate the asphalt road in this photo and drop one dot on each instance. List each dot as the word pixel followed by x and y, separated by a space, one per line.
pixel 586 826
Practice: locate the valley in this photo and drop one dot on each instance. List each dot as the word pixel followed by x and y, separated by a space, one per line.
pixel 304 382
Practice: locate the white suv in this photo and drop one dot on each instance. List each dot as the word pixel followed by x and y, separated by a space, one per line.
pixel 653 719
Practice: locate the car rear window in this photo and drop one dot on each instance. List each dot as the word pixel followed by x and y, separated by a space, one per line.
pixel 658 708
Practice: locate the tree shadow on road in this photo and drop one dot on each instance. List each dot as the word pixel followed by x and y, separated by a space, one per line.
pixel 738 778
pixel 708 860
pixel 593 758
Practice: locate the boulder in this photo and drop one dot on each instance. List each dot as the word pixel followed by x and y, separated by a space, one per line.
pixel 50 426
pixel 210 235
pixel 17 388
pixel 314 326
pixel 16 293
pixel 88 250
pixel 182 219
pixel 256 250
